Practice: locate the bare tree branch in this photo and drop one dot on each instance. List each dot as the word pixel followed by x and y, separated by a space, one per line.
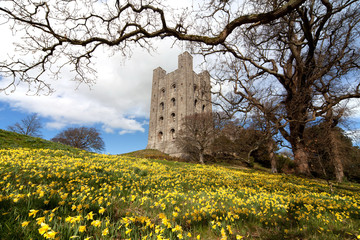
pixel 30 126
pixel 303 65
pixel 63 33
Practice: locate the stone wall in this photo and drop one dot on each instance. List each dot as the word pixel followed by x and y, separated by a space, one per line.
pixel 174 96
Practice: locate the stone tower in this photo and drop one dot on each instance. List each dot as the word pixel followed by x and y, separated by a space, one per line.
pixel 174 96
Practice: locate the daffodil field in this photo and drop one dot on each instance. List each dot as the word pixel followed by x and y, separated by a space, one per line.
pixel 58 194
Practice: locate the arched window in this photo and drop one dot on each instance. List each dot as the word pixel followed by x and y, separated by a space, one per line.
pixel 173 87
pixel 160 136
pixel 173 101
pixel 162 105
pixel 161 119
pixel 195 102
pixel 172 134
pixel 163 92
pixel 173 116
pixel 203 108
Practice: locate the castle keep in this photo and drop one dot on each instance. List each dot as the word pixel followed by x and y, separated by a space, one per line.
pixel 174 96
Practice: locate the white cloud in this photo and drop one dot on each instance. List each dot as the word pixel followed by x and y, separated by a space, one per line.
pixel 122 132
pixel 120 97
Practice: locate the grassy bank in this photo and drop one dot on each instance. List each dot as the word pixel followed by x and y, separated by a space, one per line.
pixel 47 193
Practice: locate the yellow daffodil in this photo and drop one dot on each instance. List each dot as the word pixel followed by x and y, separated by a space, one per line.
pixel 82 228
pixel 105 232
pixel 128 231
pixel 90 216
pixel 101 210
pixel 24 224
pixel 33 213
pixel 40 220
pixel 50 235
pixel 44 228
pixel 96 223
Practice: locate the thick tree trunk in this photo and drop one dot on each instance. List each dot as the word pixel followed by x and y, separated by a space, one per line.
pixel 335 157
pixel 297 104
pixel 301 159
pixel 270 148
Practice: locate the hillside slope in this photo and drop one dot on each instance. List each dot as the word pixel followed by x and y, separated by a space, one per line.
pixel 151 154
pixel 52 191
pixel 15 140
pixel 52 194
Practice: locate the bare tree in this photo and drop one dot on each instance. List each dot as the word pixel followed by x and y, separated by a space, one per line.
pixel 82 137
pixel 249 143
pixel 305 64
pixel 330 150
pixel 68 32
pixel 267 133
pixel 30 126
pixel 196 135
pixel 225 143
pixel 330 140
pixel 331 121
pixel 260 131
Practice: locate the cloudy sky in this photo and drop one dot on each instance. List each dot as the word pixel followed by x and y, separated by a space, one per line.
pixel 118 104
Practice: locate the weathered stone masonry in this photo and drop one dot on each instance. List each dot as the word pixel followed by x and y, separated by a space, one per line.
pixel 174 96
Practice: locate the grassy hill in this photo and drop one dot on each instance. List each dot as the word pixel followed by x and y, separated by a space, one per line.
pixel 147 153
pixel 57 193
pixel 152 154
pixel 10 140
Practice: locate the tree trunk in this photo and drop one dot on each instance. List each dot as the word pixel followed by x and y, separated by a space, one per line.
pixel 249 161
pixel 270 148
pixel 335 157
pixel 301 159
pixel 201 157
pixel 297 104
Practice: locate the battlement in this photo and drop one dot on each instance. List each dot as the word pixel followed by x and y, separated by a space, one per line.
pixel 159 71
pixel 185 61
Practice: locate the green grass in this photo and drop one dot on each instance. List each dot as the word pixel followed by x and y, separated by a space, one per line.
pixel 143 197
pixel 148 153
pixel 9 140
